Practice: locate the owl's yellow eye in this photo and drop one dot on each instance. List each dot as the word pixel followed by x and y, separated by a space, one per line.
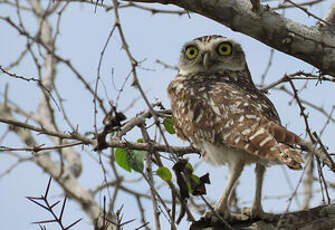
pixel 191 52
pixel 224 49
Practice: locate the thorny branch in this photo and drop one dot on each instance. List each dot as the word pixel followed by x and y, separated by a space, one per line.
pixel 314 138
pixel 300 75
pixel 44 202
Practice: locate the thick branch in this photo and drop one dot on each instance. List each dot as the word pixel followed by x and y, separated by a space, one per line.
pixel 308 43
pixel 319 218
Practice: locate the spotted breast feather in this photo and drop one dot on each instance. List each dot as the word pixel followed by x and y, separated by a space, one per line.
pixel 225 110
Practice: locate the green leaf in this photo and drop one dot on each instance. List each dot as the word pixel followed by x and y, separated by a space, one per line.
pixel 121 158
pixel 130 159
pixel 164 173
pixel 136 159
pixel 189 166
pixel 140 140
pixel 168 124
pixel 195 179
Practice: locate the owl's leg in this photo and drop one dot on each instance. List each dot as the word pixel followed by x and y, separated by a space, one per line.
pixel 257 204
pixel 235 169
pixel 256 209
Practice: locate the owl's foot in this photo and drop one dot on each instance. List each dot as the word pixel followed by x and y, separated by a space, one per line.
pixel 258 213
pixel 215 216
pixel 224 217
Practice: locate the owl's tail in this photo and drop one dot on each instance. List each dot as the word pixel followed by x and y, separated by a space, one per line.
pixel 285 148
pixel 292 156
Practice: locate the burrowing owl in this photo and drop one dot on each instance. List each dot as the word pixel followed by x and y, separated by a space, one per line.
pixel 217 107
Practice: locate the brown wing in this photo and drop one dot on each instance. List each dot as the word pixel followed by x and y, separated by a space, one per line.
pixel 231 115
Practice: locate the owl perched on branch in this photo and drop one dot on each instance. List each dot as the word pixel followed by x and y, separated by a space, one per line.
pixel 217 107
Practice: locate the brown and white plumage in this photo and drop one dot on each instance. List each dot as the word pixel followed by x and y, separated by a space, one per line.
pixel 217 107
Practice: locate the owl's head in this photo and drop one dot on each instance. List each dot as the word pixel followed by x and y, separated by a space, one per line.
pixel 211 54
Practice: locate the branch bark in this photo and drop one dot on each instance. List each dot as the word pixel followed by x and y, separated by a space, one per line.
pixel 45 110
pixel 319 218
pixel 311 44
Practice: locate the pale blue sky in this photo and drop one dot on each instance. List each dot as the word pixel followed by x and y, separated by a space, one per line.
pixel 151 37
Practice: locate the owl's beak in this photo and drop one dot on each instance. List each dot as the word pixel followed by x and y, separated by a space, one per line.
pixel 206 60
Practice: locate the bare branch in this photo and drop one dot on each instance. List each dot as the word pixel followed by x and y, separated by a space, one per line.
pixel 39 147
pixel 309 13
pixel 306 102
pixel 306 3
pixel 308 182
pixel 296 76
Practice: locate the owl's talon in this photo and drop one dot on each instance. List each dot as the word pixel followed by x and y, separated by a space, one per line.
pixel 254 213
pixel 224 217
pixel 216 216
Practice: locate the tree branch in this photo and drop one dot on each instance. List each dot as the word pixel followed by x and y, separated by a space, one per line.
pixel 319 218
pixel 307 43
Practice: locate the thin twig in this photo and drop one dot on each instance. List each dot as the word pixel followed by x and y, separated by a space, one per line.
pixel 39 148
pixel 308 13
